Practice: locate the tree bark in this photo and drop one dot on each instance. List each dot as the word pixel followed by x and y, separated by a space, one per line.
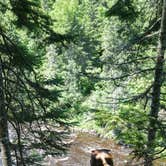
pixel 158 78
pixel 4 135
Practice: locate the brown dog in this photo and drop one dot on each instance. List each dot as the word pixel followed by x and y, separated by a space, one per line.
pixel 101 157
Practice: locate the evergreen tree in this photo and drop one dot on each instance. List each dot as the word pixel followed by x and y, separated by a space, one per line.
pixel 135 62
pixel 158 79
pixel 25 102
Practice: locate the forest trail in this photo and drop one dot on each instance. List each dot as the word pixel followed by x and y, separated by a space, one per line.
pixel 79 153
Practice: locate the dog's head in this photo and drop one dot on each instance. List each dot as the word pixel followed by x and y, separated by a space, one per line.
pixel 101 157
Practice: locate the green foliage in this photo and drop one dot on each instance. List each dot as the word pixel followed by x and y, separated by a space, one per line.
pixel 103 119
pixel 135 122
pixel 65 58
pixel 31 102
pixel 29 14
pixel 86 86
pixel 125 62
pixel 125 10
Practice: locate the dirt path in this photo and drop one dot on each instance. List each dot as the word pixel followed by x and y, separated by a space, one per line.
pixel 79 153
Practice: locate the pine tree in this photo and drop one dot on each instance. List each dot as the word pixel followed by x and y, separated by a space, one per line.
pixel 24 100
pixel 135 62
pixel 158 79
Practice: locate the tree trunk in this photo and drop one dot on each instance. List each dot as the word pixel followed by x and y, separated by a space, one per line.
pixel 158 78
pixel 4 136
pixel 22 162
